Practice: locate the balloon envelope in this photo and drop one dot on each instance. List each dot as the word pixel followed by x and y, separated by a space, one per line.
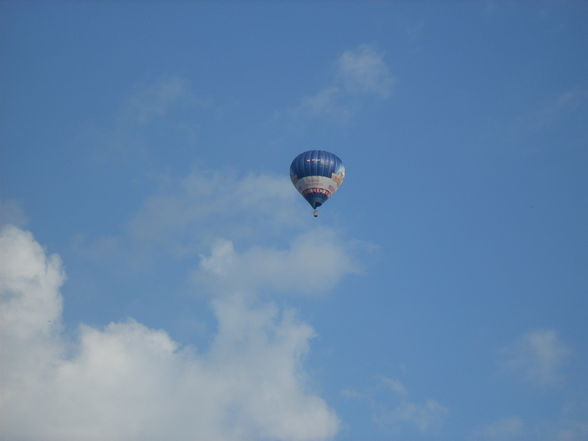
pixel 317 175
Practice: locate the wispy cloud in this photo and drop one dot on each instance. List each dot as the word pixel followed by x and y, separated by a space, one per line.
pixel 565 109
pixel 185 216
pixel 327 102
pixel 515 428
pixel 506 429
pixel 129 382
pixel 152 110
pixel 153 100
pixel 537 357
pixel 572 431
pixel 361 72
pixel 424 416
pixel 395 386
pixel 193 211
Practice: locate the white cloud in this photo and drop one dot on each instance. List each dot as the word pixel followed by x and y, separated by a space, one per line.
pixel 30 304
pixel 128 382
pixel 361 72
pixel 314 262
pixel 537 357
pixel 506 429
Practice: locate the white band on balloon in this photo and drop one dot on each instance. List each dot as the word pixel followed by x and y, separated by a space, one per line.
pixel 322 184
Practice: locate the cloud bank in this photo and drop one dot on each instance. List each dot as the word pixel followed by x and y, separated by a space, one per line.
pixel 129 382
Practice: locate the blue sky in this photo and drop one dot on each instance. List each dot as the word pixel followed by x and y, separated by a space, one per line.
pixel 162 279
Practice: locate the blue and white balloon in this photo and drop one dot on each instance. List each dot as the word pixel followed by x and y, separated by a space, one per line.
pixel 317 175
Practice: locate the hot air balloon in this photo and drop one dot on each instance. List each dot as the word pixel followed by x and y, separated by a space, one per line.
pixel 317 175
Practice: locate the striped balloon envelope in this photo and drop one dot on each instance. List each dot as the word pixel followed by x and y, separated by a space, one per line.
pixel 317 175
